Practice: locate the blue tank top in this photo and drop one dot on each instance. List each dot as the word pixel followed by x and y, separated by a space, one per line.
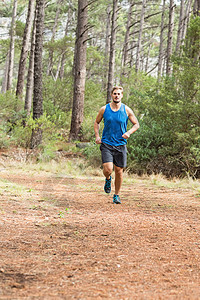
pixel 115 125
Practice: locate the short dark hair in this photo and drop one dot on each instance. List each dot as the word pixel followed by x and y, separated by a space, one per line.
pixel 117 88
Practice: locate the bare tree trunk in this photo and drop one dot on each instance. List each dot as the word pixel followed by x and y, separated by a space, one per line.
pixel 170 37
pixel 192 41
pixel 36 138
pixel 80 70
pixel 108 32
pixel 186 20
pixel 50 63
pixel 180 27
pixel 142 60
pixel 160 57
pixel 63 56
pixel 139 44
pixel 196 8
pixel 132 48
pixel 112 51
pixel 147 59
pixel 126 40
pixel 164 62
pixel 29 84
pixel 5 78
pixel 107 44
pixel 58 68
pixel 12 46
pixel 25 48
pixel 62 65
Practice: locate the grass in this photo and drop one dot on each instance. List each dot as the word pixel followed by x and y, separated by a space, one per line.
pixel 161 181
pixel 75 167
pixel 78 168
pixel 12 189
pixel 186 183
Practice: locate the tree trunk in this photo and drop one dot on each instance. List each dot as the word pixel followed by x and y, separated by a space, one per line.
pixel 29 84
pixel 112 51
pixel 50 63
pixel 5 78
pixel 63 56
pixel 139 44
pixel 170 37
pixel 132 50
pixel 180 27
pixel 148 55
pixel 79 70
pixel 160 57
pixel 107 46
pixel 37 90
pixel 25 48
pixel 186 20
pixel 12 46
pixel 192 40
pixel 196 8
pixel 108 31
pixel 58 68
pixel 126 41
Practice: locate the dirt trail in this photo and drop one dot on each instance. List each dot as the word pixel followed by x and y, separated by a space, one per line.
pixel 62 238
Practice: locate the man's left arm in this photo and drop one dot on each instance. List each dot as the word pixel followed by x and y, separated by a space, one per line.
pixel 133 120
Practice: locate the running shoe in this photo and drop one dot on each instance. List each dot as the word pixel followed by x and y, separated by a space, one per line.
pixel 116 199
pixel 107 186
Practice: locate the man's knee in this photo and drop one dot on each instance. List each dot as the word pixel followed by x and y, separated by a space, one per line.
pixel 107 168
pixel 118 171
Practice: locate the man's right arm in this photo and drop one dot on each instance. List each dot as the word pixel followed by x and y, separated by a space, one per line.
pixel 96 124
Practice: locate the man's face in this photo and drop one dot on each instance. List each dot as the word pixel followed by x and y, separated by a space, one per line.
pixel 117 96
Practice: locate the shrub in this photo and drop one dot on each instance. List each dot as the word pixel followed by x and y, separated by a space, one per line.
pixel 93 154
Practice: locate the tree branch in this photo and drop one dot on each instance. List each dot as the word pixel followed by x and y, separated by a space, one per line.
pixel 157 13
pixel 152 69
pixel 87 40
pixel 89 4
pixel 88 27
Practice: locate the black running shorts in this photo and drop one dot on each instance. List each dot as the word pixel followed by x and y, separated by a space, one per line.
pixel 115 154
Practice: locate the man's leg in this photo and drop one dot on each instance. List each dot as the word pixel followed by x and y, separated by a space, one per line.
pixel 107 169
pixel 118 179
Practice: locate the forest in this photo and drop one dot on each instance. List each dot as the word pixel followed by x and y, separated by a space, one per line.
pixel 59 60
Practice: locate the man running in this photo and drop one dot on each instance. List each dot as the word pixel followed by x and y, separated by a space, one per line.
pixel 114 139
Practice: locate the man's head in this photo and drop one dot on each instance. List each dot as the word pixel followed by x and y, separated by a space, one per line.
pixel 117 94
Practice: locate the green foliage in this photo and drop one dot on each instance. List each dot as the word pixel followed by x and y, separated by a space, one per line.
pixel 19 29
pixel 48 152
pixel 95 63
pixel 4 46
pixel 58 92
pixel 61 45
pixel 9 106
pixel 146 142
pixel 6 9
pixel 4 138
pixel 94 98
pixel 192 43
pixel 93 154
pixel 168 140
pixel 58 101
pixel 20 134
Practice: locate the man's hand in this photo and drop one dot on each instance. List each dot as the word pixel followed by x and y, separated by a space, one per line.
pixel 98 140
pixel 126 135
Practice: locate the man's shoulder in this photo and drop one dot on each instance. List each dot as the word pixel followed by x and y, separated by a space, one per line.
pixel 128 110
pixel 102 109
pixel 124 105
